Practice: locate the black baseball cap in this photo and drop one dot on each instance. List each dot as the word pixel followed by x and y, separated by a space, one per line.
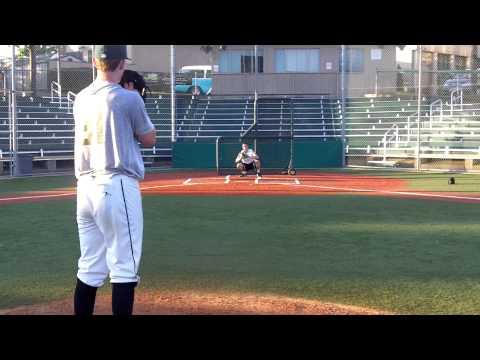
pixel 110 52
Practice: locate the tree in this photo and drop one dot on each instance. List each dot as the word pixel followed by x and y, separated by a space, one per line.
pixel 212 50
pixel 32 51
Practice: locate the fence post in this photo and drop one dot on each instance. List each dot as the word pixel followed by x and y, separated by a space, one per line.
pixel 13 154
pixel 4 83
pixel 10 132
pixel 419 56
pixel 343 103
pixel 93 65
pixel 172 90
pixel 255 86
pixel 58 70
pixel 408 129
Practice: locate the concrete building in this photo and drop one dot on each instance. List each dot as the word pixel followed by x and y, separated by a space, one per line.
pixel 439 60
pixel 282 69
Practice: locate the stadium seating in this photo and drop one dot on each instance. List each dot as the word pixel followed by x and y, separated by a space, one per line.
pixel 232 117
pixel 46 129
pixel 375 128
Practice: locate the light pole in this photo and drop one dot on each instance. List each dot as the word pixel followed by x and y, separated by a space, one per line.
pixel 255 85
pixel 13 153
pixel 172 89
pixel 342 122
pixel 419 55
pixel 93 65
pixel 58 66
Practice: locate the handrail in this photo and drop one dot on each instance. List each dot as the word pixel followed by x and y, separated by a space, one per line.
pixel 439 101
pixel 395 136
pixel 70 99
pixel 453 99
pixel 4 76
pixel 56 88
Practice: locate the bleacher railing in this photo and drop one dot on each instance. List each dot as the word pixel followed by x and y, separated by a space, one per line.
pixel 436 107
pixel 70 100
pixel 456 98
pixel 56 90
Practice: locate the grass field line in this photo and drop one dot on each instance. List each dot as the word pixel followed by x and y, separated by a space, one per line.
pixel 37 196
pixel 167 186
pixel 393 192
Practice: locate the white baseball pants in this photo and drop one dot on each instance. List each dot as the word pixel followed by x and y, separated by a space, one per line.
pixel 110 227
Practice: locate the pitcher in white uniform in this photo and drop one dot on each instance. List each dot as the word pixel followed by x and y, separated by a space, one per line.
pixel 110 122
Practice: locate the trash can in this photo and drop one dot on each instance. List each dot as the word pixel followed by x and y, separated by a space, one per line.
pixel 24 165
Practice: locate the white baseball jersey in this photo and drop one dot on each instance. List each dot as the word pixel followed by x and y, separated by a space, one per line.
pixel 108 166
pixel 248 157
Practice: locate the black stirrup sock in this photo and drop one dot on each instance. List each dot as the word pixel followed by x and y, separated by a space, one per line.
pixel 123 295
pixel 84 299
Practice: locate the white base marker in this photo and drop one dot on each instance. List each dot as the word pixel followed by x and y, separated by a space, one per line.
pixel 187 181
pixel 297 182
pixel 227 179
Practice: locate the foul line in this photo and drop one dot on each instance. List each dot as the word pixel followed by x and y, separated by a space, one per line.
pixel 393 192
pixel 36 197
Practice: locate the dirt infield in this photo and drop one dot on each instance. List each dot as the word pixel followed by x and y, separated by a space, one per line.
pixel 195 303
pixel 306 183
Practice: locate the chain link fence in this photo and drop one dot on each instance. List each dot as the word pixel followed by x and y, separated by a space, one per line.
pixel 421 115
pixel 391 107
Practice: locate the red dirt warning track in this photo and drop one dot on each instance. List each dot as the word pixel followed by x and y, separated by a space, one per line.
pixel 306 183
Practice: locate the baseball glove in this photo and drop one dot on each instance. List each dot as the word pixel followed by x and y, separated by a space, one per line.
pixel 130 76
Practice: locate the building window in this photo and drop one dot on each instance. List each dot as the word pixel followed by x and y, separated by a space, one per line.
pixel 443 62
pixel 297 60
pixel 460 62
pixel 427 59
pixel 240 61
pixel 354 60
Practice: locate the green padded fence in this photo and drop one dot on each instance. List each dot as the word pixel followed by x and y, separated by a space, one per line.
pixel 188 155
pixel 274 153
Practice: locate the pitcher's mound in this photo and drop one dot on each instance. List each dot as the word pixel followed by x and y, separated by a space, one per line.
pixel 196 303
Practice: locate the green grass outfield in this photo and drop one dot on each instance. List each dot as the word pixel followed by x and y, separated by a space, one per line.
pixel 410 256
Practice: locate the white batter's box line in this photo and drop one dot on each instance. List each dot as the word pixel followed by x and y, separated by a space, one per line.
pixel 274 181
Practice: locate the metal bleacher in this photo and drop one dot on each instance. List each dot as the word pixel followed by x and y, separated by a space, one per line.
pixel 215 116
pixel 46 128
pixel 212 116
pixel 377 130
pixel 368 120
pixel 384 131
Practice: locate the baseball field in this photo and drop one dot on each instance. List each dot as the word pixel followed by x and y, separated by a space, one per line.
pixel 327 242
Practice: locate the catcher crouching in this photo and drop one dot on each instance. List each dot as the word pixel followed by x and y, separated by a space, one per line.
pixel 247 160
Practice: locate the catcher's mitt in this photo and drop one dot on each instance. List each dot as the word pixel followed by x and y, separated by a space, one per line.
pixel 130 76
